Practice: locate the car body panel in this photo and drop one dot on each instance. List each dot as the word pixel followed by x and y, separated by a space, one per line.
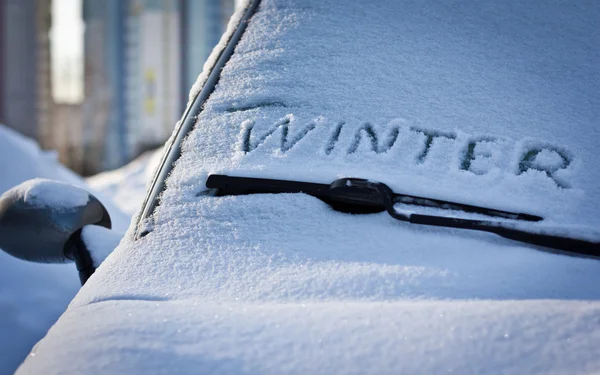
pixel 406 337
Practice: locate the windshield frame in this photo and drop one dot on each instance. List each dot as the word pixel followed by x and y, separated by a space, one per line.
pixel 172 150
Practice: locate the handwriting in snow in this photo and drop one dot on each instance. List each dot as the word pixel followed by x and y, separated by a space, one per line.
pixel 477 153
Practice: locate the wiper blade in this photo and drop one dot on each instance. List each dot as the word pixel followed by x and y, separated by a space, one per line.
pixel 357 195
pixel 229 185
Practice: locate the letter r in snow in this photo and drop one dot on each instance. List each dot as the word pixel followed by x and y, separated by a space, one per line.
pixel 545 159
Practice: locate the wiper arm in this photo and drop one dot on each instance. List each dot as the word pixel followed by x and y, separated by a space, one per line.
pixel 363 196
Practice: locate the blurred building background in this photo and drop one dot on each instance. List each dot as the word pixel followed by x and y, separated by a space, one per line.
pixel 25 96
pixel 140 57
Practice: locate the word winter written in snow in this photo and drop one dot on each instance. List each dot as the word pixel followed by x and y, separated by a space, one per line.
pixel 475 154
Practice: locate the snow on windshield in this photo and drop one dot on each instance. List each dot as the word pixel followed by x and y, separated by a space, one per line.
pixel 488 103
pixel 493 104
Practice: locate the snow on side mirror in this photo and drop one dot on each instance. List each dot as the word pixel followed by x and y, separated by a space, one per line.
pixel 41 221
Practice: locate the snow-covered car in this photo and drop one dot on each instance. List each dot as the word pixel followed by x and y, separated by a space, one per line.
pixel 385 187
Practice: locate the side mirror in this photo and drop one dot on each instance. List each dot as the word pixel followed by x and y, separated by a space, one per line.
pixel 41 221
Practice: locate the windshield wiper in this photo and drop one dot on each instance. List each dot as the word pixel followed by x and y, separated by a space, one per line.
pixel 357 195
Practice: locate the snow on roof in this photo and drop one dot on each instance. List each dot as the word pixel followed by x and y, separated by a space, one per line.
pixel 489 103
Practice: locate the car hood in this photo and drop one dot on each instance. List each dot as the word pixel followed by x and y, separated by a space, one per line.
pixel 416 337
pixel 286 285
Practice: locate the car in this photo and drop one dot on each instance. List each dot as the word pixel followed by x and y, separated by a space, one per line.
pixel 385 187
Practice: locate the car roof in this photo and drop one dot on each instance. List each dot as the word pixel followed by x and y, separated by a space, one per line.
pixel 488 103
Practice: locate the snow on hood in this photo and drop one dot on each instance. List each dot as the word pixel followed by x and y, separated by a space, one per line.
pixel 489 103
pixel 193 337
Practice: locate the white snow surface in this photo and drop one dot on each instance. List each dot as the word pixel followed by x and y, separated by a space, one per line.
pixel 490 103
pixel 32 296
pixel 100 242
pixel 193 337
pixel 41 192
pixel 126 186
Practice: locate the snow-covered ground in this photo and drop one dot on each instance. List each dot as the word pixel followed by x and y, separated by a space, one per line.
pixel 126 186
pixel 32 295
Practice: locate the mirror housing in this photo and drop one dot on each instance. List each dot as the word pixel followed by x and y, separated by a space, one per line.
pixel 41 220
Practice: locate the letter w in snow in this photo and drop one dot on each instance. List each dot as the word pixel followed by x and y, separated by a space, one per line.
pixel 250 141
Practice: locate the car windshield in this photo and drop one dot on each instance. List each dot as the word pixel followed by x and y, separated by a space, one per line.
pixel 492 104
pixel 488 104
